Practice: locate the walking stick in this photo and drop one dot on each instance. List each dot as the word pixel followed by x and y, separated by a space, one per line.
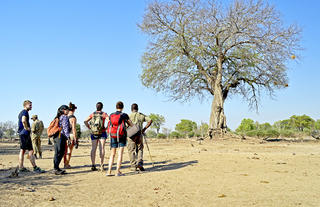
pixel 145 140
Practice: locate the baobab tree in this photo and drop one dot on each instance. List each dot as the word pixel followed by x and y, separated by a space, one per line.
pixel 203 48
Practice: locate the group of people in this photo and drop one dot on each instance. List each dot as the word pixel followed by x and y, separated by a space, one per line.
pixel 101 126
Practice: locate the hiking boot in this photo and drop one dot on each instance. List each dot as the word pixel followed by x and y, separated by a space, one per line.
pixel 59 172
pixel 24 170
pixel 141 168
pixel 93 168
pixel 38 170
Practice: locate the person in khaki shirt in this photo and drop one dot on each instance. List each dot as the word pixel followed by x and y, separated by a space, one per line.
pixel 135 144
pixel 36 131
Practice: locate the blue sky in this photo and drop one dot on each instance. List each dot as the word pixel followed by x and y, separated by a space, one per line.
pixel 53 52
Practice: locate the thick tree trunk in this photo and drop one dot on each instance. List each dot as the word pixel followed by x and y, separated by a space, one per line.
pixel 217 124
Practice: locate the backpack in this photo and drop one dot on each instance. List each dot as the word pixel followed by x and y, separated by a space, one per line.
pixel 116 129
pixel 54 128
pixel 96 123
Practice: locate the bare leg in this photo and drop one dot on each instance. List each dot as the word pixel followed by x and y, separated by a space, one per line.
pixel 111 159
pixel 68 155
pixel 32 158
pixel 120 155
pixel 21 158
pixel 102 143
pixel 93 151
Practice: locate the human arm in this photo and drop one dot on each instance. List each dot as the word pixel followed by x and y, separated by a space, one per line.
pixel 25 123
pixel 149 122
pixel 73 122
pixel 129 122
pixel 33 127
pixel 147 126
pixel 86 122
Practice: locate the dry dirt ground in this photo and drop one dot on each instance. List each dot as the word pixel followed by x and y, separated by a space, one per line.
pixel 227 172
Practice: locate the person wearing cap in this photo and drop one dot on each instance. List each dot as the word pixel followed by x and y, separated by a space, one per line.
pixel 36 132
pixel 25 138
pixel 60 140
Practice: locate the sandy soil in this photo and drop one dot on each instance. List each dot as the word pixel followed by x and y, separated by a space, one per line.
pixel 216 173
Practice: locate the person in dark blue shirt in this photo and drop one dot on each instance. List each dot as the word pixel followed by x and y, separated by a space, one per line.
pixel 25 138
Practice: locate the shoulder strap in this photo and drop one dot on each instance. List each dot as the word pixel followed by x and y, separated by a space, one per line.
pixel 72 116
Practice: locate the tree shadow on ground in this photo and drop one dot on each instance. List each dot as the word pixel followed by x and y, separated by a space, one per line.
pixel 163 166
pixel 15 149
pixel 27 179
pixel 9 150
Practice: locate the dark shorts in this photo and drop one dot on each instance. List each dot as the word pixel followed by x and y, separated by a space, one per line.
pixel 104 135
pixel 25 141
pixel 115 144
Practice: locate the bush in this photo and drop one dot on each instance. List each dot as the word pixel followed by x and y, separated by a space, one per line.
pixel 252 133
pixel 272 133
pixel 151 134
pixel 175 134
pixel 246 126
pixel 191 134
pixel 263 133
pixel 161 136
pixel 288 133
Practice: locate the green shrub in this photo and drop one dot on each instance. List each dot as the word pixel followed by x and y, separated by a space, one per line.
pixel 288 133
pixel 263 133
pixel 191 134
pixel 252 133
pixel 175 134
pixel 151 134
pixel 161 136
pixel 271 133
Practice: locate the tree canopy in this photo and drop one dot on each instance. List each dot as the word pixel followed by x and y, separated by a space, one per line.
pixel 200 48
pixel 186 127
pixel 157 121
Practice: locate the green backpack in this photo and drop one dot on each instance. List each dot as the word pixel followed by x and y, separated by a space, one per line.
pixel 96 123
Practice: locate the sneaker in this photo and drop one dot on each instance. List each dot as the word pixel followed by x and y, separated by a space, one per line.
pixel 38 170
pixel 93 168
pixel 141 168
pixel 59 172
pixel 24 170
pixel 67 166
pixel 119 174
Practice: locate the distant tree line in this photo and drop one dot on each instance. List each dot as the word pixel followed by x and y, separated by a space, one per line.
pixel 295 126
pixel 9 130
